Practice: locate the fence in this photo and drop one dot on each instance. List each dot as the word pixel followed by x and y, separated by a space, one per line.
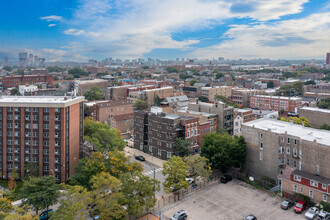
pixel 264 182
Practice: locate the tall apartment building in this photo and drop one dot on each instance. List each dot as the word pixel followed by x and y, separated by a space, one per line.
pixel 43 130
pixel 242 96
pixel 225 113
pixel 155 132
pixel 316 116
pixel 210 92
pixel 23 58
pixel 277 103
pixel 272 145
pixel 327 61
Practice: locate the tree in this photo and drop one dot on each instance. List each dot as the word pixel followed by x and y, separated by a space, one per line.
pixel 270 84
pixel 55 69
pixel 140 104
pixel 325 127
pixel 192 82
pixel 171 69
pixel 139 192
pixel 101 74
pixel 296 120
pixel 184 76
pixel 102 136
pixel 158 100
pixel 5 205
pixel 295 89
pixel 12 184
pixel 310 82
pixel 324 103
pixel 219 75
pixel 40 192
pixel 74 205
pixel 145 67
pixel 175 169
pixel 31 169
pixel 94 93
pixel 181 147
pixel 78 72
pixel 224 151
pixel 197 166
pixel 203 99
pixel 7 68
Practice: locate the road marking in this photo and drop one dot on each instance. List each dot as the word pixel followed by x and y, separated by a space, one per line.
pixel 151 171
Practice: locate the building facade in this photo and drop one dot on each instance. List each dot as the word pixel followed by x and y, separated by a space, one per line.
pixel 85 85
pixel 272 145
pixel 210 92
pixel 242 96
pixel 316 116
pixel 44 131
pixel 277 103
pixel 16 80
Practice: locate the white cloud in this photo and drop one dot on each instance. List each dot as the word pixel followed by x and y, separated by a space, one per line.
pixel 297 38
pixel 73 31
pixel 51 25
pixel 52 18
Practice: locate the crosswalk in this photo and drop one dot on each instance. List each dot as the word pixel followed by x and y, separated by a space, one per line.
pixel 148 173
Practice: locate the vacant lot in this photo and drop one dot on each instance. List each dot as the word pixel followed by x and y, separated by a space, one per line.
pixel 231 201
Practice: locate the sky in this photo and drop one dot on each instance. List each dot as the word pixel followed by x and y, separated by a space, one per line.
pixel 78 30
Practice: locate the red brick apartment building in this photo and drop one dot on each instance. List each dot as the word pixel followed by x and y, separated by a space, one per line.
pixel 316 187
pixel 277 103
pixel 44 130
pixel 16 80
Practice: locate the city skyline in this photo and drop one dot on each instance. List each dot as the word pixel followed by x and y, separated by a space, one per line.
pixel 79 30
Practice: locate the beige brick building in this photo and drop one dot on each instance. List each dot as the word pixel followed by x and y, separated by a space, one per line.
pixel 315 116
pixel 85 85
pixel 242 96
pixel 150 94
pixel 210 92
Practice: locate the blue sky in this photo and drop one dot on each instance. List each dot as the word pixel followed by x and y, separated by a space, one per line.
pixel 63 30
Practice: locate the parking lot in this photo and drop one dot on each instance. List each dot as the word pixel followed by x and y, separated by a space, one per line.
pixel 233 200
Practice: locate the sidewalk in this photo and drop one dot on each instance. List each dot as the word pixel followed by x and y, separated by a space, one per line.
pixel 151 159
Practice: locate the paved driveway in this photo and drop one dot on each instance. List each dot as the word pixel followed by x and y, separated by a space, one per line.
pixel 234 201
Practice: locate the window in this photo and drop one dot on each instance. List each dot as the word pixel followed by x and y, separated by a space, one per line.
pixel 35 151
pixel 261 155
pixel 288 162
pixel 261 136
pixel 35 117
pixel 35 109
pixel 35 134
pixel 159 152
pixel 299 165
pixel 28 109
pixel 295 141
pixel 325 198
pixel 16 158
pixel 57 110
pixel 46 160
pixel 288 150
pixel 295 152
pixel 9 142
pixel 27 150
pixel 295 164
pixel 57 143
pixel 46 143
pixel 27 117
pixel 27 126
pixel 288 140
pixel 46 168
pixel 46 126
pixel 9 158
pixel 57 118
pixel 35 126
pixel 324 186
pixel 57 160
pixel 313 183
pixel 46 117
pixel 17 150
pixel 35 159
pixel 297 178
pixel 16 109
pixel 17 117
pixel 27 159
pixel 17 142
pixel 46 151
pixel 57 168
pixel 57 152
pixel 16 134
pixel 310 193
pixel 57 126
pixel 281 150
pixel 261 146
pixel 295 188
pixel 46 134
pixel 169 155
pixel 188 134
pixel 150 149
pixel 35 143
pixel 301 189
pixel 46 109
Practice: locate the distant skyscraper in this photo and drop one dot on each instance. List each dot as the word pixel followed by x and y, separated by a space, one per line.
pixel 328 59
pixel 22 57
pixel 5 60
pixel 30 59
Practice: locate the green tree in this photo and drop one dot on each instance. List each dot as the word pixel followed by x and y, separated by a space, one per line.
pixel 175 169
pixel 7 68
pixel 102 136
pixel 310 82
pixel 324 103
pixel 192 82
pixel 203 99
pixel 158 100
pixel 197 166
pixel 219 75
pixel 40 192
pixel 270 84
pixel 74 205
pixel 139 192
pixel 181 147
pixel 296 120
pixel 140 104
pixel 295 89
pixel 145 67
pixel 171 69
pixel 78 72
pixel 5 205
pixel 325 126
pixel 94 93
pixel 31 169
pixel 224 151
pixel 184 76
pixel 55 69
pixel 101 74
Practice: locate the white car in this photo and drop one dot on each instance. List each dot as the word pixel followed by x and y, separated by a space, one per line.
pixel 190 180
pixel 312 213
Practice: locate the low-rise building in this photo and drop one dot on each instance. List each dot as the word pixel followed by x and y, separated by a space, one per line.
pixel 27 89
pixel 175 101
pixel 16 80
pixel 85 85
pixel 316 116
pixel 242 96
pixel 210 92
pixel 272 145
pixel 149 95
pixel 278 103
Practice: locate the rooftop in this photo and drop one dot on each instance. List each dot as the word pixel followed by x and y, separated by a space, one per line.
pixel 90 81
pixel 278 97
pixel 43 101
pixel 311 176
pixel 316 109
pixel 281 127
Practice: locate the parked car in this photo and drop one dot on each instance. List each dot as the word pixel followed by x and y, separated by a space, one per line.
pixel 300 207
pixel 312 213
pixel 250 217
pixel 46 214
pixel 180 215
pixel 190 180
pixel 287 204
pixel 226 178
pixel 323 215
pixel 140 158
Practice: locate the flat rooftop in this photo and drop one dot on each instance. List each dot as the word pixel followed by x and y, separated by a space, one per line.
pixel 90 81
pixel 39 101
pixel 316 109
pixel 278 97
pixel 197 113
pixel 280 127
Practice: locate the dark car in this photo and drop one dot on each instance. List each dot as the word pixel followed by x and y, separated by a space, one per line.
pixel 226 178
pixel 140 158
pixel 250 217
pixel 287 204
pixel 46 214
pixel 180 215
